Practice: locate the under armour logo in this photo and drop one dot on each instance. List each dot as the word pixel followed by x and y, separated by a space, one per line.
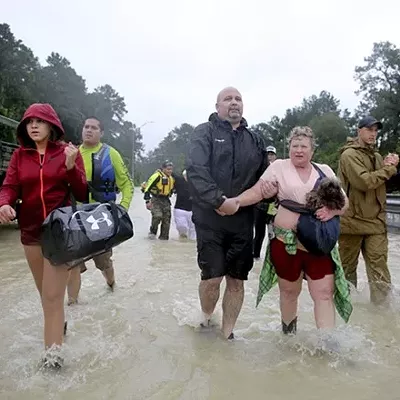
pixel 95 222
pixel 220 140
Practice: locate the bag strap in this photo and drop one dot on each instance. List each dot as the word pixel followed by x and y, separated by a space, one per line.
pixel 114 213
pixel 75 211
pixel 294 206
pixel 299 208
pixel 320 173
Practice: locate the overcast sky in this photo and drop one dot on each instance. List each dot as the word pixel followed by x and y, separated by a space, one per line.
pixel 169 59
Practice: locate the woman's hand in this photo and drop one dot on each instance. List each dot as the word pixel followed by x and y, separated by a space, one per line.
pixel 71 153
pixel 228 207
pixel 269 189
pixel 324 214
pixel 7 214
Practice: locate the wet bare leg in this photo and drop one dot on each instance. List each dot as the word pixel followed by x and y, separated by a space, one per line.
pixel 209 291
pixel 231 304
pixel 109 276
pixel 54 285
pixel 321 291
pixel 34 258
pixel 289 294
pixel 74 285
pixel 104 263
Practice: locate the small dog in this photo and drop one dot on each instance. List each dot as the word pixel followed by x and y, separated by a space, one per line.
pixel 328 194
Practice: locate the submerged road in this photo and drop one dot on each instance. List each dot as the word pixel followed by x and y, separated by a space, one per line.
pixel 141 342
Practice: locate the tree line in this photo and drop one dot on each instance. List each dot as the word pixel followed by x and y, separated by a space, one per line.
pixel 24 81
pixel 379 91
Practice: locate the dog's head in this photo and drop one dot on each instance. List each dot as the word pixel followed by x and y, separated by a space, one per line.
pixel 312 200
pixel 330 193
pixel 329 183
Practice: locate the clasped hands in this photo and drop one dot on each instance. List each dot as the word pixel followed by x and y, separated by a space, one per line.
pixel 231 205
pixel 391 159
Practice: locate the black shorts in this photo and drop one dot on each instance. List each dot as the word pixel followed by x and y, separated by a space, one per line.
pixel 221 253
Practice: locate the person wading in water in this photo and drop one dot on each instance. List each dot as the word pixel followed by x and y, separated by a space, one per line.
pixel 225 159
pixel 44 170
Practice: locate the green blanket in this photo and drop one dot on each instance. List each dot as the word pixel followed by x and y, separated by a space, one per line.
pixel 268 277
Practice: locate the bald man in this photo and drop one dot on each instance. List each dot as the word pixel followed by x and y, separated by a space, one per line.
pixel 225 159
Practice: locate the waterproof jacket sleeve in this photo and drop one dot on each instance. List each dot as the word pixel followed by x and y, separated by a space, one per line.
pixel 353 167
pixel 123 179
pixel 153 180
pixel 198 168
pixel 76 177
pixel 10 190
pixel 265 163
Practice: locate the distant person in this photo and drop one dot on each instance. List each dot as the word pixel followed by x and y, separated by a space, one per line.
pixel 106 173
pixel 157 193
pixel 43 172
pixel 264 213
pixel 183 208
pixel 364 173
pixel 271 153
pixel 225 159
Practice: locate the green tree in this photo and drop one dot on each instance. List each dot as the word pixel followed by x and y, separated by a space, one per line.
pixel 311 110
pixel 18 67
pixel 24 81
pixel 379 81
pixel 173 147
pixel 60 85
pixel 330 132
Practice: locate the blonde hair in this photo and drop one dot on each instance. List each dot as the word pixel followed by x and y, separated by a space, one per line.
pixel 302 131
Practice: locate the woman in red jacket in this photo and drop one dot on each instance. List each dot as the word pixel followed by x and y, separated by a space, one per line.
pixel 42 173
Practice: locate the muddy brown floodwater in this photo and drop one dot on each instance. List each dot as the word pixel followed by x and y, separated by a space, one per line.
pixel 141 342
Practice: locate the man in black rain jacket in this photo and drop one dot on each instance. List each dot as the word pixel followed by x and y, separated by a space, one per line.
pixel 225 159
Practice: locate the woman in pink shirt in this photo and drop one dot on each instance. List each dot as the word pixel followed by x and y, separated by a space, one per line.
pixel 292 179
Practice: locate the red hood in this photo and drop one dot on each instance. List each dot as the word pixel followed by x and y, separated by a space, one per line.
pixel 46 113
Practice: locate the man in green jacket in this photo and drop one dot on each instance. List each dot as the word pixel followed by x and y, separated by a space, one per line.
pixel 106 173
pixel 364 173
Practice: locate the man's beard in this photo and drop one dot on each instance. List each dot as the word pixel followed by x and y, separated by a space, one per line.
pixel 234 115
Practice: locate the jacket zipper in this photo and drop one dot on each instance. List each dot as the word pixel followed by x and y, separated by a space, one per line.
pixel 41 162
pixel 233 154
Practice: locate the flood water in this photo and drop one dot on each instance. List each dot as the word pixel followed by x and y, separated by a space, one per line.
pixel 142 341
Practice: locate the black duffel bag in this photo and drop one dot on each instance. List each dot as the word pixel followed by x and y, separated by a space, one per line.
pixel 74 234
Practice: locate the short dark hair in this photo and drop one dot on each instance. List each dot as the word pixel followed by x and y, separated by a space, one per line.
pixel 100 123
